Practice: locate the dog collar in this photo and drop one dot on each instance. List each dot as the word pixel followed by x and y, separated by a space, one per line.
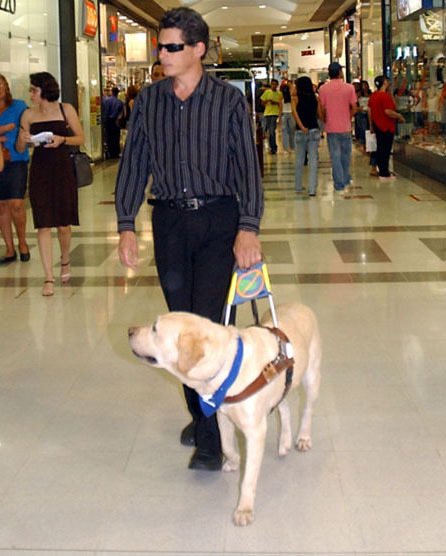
pixel 209 403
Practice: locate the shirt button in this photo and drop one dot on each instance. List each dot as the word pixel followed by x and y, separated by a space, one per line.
pixel 181 107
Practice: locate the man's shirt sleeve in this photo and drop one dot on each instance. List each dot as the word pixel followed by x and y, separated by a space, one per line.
pixel 134 168
pixel 247 170
pixel 353 98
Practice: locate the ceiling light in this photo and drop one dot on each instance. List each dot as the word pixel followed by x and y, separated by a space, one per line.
pixel 262 6
pixel 134 24
pixel 283 26
pixel 230 29
pixel 224 7
pixel 257 33
pixel 122 17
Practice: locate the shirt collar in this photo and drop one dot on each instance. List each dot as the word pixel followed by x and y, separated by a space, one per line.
pixel 203 88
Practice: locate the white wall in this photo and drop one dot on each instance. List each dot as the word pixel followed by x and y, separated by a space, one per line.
pixel 295 45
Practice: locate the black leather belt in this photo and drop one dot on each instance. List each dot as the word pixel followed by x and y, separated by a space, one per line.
pixel 193 203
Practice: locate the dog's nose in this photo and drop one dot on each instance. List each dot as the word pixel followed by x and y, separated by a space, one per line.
pixel 132 330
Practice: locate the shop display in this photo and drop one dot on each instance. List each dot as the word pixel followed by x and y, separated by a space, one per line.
pixel 419 78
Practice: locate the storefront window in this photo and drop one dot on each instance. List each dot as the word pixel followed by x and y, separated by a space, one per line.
pixel 128 50
pixel 29 42
pixel 352 30
pixel 301 54
pixel 370 14
pixel 419 75
pixel 88 75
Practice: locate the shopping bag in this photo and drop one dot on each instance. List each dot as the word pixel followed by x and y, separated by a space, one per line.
pixel 370 141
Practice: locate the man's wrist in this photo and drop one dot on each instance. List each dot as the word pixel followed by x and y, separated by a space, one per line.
pixel 126 226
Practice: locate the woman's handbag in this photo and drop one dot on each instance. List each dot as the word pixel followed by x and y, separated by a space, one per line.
pixel 82 168
pixel 81 160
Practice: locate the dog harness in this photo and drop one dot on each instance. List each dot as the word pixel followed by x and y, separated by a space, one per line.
pixel 209 403
pixel 284 361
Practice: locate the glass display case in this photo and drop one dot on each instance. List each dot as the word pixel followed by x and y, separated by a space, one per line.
pixel 419 85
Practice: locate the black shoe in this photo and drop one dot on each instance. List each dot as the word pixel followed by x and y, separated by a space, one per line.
pixel 24 257
pixel 188 434
pixel 205 460
pixel 6 260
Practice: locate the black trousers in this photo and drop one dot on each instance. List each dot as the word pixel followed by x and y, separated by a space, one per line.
pixel 384 142
pixel 194 258
pixel 113 135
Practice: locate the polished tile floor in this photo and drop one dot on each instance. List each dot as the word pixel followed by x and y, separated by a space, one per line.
pixel 90 459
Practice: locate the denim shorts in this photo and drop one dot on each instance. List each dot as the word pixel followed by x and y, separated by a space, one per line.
pixel 13 180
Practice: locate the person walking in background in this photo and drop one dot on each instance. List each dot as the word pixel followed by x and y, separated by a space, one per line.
pixel 157 72
pixel 272 101
pixel 13 179
pixel 383 117
pixel 362 114
pixel 306 109
pixel 207 188
pixel 124 117
pixel 338 100
pixel 111 109
pixel 52 184
pixel 288 123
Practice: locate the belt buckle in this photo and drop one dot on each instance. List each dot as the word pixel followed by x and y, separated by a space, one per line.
pixel 190 204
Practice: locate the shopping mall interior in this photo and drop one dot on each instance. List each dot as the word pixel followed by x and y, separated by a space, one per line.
pixel 90 455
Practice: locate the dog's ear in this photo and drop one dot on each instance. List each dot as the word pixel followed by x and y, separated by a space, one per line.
pixel 190 351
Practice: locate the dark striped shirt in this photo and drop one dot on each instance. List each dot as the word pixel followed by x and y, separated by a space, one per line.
pixel 202 146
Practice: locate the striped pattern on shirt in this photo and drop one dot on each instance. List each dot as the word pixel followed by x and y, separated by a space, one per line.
pixel 203 146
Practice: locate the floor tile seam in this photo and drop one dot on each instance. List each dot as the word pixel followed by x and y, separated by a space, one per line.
pixel 282 278
pixel 391 228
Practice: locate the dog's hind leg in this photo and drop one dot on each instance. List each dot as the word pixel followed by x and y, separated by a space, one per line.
pixel 255 445
pixel 311 382
pixel 285 439
pixel 228 447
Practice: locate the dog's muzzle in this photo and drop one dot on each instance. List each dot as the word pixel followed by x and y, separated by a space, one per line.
pixel 148 358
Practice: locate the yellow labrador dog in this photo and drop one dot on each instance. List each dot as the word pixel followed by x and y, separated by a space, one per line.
pixel 202 354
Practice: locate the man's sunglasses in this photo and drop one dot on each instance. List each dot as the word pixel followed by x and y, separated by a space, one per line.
pixel 172 46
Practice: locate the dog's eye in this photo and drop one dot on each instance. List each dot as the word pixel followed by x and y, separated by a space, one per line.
pixel 154 327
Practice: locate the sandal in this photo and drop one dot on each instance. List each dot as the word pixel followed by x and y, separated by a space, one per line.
pixel 65 276
pixel 48 288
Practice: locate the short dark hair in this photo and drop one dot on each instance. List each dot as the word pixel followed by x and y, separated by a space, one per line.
pixel 115 91
pixel 274 81
pixel 379 81
pixel 49 87
pixel 193 27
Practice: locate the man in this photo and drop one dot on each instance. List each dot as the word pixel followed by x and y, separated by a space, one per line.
pixel 111 108
pixel 192 133
pixel 338 100
pixel 157 72
pixel 272 101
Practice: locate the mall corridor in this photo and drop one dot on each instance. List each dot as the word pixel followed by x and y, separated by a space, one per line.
pixel 90 458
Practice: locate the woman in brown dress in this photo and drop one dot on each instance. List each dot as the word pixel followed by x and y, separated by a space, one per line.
pixel 52 184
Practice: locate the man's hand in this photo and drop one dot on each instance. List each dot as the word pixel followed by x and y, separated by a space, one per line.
pixel 128 249
pixel 247 249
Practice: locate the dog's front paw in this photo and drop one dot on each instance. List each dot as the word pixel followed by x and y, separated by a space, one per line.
pixel 231 465
pixel 303 444
pixel 243 517
pixel 284 448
